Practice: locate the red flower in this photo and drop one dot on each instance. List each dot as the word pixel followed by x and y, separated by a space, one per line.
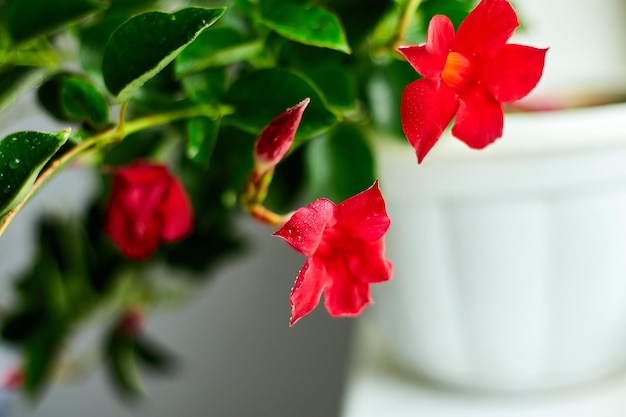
pixel 276 138
pixel 467 75
pixel 147 206
pixel 344 245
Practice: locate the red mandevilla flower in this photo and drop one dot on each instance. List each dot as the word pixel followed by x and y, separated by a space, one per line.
pixel 345 248
pixel 147 205
pixel 467 75
pixel 276 138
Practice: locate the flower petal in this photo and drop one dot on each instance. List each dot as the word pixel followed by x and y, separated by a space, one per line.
pixel 364 215
pixel 369 263
pixel 123 232
pixel 346 295
pixel 304 230
pixel 430 58
pixel 139 189
pixel 486 29
pixel 427 108
pixel 479 119
pixel 277 137
pixel 306 292
pixel 513 72
pixel 175 212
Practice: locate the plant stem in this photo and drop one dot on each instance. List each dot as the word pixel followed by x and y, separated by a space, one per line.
pixel 106 138
pixel 409 11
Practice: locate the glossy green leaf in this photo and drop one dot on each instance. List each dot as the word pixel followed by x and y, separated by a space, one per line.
pixel 216 47
pixel 28 19
pixel 83 101
pixel 146 43
pixel 73 98
pixel 327 69
pixel 456 10
pixel 359 17
pixel 22 156
pixel 261 96
pixel 306 24
pixel 339 164
pixel 202 135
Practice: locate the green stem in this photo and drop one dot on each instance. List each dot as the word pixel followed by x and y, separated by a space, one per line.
pixel 106 138
pixel 410 9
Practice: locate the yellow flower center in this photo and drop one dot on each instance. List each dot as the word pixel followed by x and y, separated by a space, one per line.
pixel 456 71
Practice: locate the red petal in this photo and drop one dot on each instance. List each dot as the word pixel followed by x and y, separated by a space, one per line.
pixel 430 58
pixel 479 119
pixel 306 292
pixel 427 108
pixel 304 230
pixel 175 212
pixel 513 72
pixel 138 189
pixel 486 28
pixel 364 215
pixel 276 138
pixel 132 221
pixel 370 264
pixel 122 231
pixel 346 295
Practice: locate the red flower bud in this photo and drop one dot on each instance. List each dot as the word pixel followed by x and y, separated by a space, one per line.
pixel 276 138
pixel 147 205
pixel 132 322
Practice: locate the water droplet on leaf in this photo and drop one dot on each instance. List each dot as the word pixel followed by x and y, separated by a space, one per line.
pixel 14 163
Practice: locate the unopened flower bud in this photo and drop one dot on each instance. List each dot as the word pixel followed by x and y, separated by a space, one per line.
pixel 276 138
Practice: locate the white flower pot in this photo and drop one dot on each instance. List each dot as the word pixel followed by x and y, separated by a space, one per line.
pixel 586 40
pixel 510 263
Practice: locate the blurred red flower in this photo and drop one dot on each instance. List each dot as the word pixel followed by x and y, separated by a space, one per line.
pixel 147 205
pixel 467 75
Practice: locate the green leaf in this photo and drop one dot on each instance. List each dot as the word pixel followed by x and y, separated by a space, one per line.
pixel 153 355
pixel 82 101
pixel 73 98
pixel 202 136
pixel 216 47
pixel 327 69
pixel 41 351
pixel 339 164
pixel 207 86
pixel 28 19
pixel 22 156
pixel 261 96
pixel 145 44
pixel 306 24
pixel 456 10
pixel 122 364
pixel 16 80
pixel 359 17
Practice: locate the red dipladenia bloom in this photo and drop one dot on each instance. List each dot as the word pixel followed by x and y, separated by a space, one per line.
pixel 345 248
pixel 147 205
pixel 467 75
